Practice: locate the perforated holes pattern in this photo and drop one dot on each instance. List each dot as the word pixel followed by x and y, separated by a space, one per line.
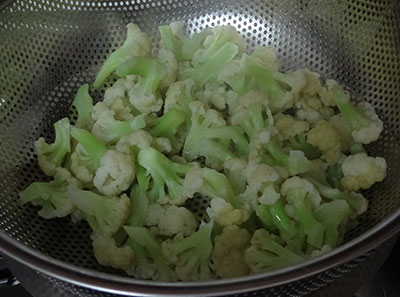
pixel 49 48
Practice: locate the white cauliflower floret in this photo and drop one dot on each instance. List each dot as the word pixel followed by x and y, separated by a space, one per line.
pixel 361 171
pixel 313 83
pixel 116 99
pixel 115 174
pixel 266 56
pixel 327 139
pixel 171 220
pixel 179 95
pixel 260 179
pixel 228 252
pixel 224 213
pixel 167 59
pixel 311 109
pixel 142 139
pixel 216 94
pixel 145 103
pixel 108 254
pixel 233 169
pixel 295 183
pixel 345 130
pixel 289 126
pixel 78 168
pixel 371 132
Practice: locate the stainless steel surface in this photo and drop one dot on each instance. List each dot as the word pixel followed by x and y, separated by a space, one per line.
pixel 48 48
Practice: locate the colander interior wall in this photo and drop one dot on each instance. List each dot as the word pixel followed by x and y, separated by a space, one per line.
pixel 49 48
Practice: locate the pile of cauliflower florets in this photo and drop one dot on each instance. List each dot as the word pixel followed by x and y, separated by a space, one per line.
pixel 279 156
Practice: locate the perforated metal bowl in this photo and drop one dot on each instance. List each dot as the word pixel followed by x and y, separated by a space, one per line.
pixel 49 48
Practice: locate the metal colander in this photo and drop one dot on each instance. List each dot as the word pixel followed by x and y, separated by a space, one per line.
pixel 49 48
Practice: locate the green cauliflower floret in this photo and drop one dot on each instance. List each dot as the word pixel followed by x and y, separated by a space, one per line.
pixel 51 156
pixel 206 134
pixel 144 94
pixel 149 260
pixel 165 174
pixel 266 253
pixel 115 174
pixel 105 215
pixel 136 44
pixel 212 66
pixel 221 36
pixel 225 214
pixel 109 130
pixel 361 171
pixel 333 214
pixel 84 106
pixel 107 253
pixel 170 220
pixel 266 148
pixel 252 113
pixel 228 253
pixel 281 89
pixel 174 39
pixel 209 183
pixel 304 198
pixel 86 158
pixel 51 196
pixel 365 123
pixel 191 255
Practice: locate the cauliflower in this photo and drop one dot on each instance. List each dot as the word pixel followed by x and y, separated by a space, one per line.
pixel 179 95
pixel 233 169
pixel 51 156
pixel 289 126
pixel 311 109
pixel 266 56
pixel 361 171
pixel 170 220
pixel 79 167
pixel 216 94
pixel 108 254
pixel 262 182
pixel 345 130
pixel 136 44
pixel 224 213
pixel 116 98
pixel 141 139
pixel 116 173
pixel 167 59
pixel 228 253
pixel 362 118
pixel 327 139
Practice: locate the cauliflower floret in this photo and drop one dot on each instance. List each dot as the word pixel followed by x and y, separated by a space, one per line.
pixel 179 95
pixel 296 183
pixel 361 171
pixel 78 168
pixel 142 139
pixel 261 179
pixel 266 56
pixel 371 132
pixel 116 99
pixel 289 126
pixel 224 213
pixel 228 252
pixel 313 83
pixel 116 173
pixel 170 220
pixel 345 131
pixel 217 94
pixel 327 138
pixel 145 103
pixel 108 254
pixel 167 59
pixel 233 169
pixel 311 109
